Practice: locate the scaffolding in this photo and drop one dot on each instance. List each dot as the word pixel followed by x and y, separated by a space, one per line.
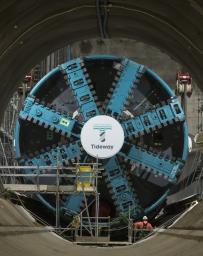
pixel 86 181
pixel 8 122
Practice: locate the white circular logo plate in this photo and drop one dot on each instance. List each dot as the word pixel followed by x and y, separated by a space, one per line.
pixel 102 136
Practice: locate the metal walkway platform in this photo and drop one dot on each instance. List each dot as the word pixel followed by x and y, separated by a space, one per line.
pixel 27 188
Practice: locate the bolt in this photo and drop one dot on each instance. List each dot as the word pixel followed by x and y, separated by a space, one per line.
pixel 55 119
pixel 28 103
pixel 38 112
pixel 123 196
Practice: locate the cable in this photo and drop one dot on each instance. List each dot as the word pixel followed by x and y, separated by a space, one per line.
pixel 33 214
pixel 105 22
pixel 99 18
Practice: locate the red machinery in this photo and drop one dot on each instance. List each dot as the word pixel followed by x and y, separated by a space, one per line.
pixel 183 83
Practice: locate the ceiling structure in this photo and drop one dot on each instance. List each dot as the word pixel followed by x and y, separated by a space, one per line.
pixel 30 30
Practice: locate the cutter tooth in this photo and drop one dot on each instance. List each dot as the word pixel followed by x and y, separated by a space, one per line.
pixel 34 121
pixel 131 162
pixel 89 81
pixel 63 133
pixel 40 123
pixel 105 101
pixel 95 97
pixel 118 73
pixel 134 86
pixel 87 76
pixel 78 158
pixel 29 118
pixel 108 95
pixel 94 93
pixel 62 70
pixel 46 125
pixel 24 117
pixel 142 167
pixel 127 104
pixel 118 66
pixel 147 131
pixel 66 162
pixel 113 85
pixel 160 174
pixel 165 177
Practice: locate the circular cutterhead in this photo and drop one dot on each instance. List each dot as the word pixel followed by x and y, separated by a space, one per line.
pixel 123 113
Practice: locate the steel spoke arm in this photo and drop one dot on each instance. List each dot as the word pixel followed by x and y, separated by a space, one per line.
pixel 151 162
pixel 54 156
pixel 49 118
pixel 62 154
pixel 121 190
pixel 78 79
pixel 128 79
pixel 157 118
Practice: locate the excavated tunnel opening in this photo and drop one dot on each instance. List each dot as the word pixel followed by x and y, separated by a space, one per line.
pixel 133 183
pixel 60 24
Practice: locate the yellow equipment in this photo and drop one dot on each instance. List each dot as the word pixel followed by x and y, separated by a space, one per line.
pixel 85 179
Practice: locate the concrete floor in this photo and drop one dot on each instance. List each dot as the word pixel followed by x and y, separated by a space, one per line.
pixel 19 236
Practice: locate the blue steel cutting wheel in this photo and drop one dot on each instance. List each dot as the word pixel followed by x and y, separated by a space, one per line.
pixel 140 176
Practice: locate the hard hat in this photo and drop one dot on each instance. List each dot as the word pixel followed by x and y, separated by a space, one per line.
pixel 145 218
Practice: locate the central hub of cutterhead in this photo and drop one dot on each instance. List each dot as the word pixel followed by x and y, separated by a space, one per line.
pixel 102 137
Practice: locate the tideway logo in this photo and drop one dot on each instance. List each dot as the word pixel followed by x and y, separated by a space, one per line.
pixel 102 129
pixel 102 136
